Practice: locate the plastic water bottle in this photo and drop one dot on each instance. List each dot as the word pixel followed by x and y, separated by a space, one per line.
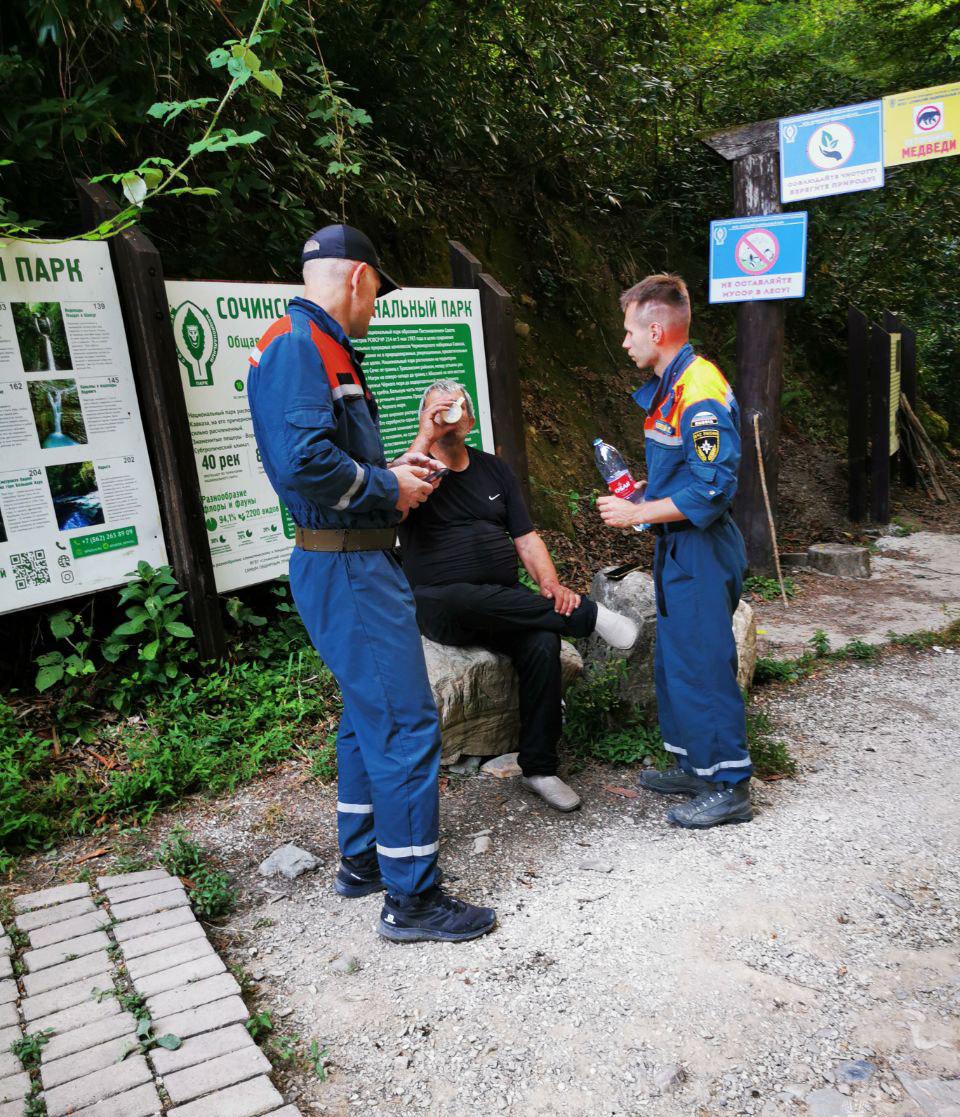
pixel 614 471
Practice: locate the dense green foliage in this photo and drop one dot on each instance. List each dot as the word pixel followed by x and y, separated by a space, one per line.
pixel 474 116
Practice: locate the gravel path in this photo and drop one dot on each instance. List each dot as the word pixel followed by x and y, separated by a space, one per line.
pixel 751 969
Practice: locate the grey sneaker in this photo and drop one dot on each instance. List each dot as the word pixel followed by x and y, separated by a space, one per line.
pixel 727 803
pixel 674 781
pixel 553 791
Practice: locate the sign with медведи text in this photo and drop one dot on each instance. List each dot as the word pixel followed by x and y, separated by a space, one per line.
pixel 418 335
pixel 920 125
pixel 78 507
pixel 758 258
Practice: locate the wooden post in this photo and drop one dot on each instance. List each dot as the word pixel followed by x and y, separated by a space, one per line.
pixel 858 403
pixel 506 410
pixel 500 343
pixel 908 383
pixel 753 150
pixel 880 425
pixel 153 353
pixel 464 266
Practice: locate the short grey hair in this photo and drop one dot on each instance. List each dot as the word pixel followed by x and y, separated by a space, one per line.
pixel 451 387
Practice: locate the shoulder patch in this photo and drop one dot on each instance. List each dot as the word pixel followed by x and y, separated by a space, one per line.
pixel 704 419
pixel 707 444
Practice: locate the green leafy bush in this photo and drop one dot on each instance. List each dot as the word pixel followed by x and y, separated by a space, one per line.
pixel 210 890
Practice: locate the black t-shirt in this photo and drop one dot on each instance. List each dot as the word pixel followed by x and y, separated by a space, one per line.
pixel 465 531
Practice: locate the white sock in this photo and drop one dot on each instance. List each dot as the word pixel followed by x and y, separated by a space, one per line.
pixel 619 631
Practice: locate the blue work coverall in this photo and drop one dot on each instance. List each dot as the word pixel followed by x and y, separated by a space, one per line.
pixel 316 426
pixel 692 442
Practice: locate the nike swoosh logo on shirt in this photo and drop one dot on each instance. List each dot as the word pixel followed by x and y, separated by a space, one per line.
pixel 494 497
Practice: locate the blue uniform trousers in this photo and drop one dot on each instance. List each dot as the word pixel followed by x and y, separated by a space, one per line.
pixel 360 616
pixel 700 706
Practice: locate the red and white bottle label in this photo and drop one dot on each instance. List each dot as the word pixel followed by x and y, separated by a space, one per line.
pixel 622 485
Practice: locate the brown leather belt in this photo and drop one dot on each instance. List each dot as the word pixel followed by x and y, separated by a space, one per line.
pixel 346 539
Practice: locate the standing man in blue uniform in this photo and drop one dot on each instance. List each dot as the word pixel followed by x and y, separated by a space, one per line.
pixel 316 426
pixel 692 441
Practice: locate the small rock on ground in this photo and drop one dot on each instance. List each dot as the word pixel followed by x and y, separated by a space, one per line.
pixel 288 861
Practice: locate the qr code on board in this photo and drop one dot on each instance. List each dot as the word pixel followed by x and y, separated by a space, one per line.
pixel 30 569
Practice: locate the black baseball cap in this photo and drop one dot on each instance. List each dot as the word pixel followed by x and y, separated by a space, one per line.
pixel 344 242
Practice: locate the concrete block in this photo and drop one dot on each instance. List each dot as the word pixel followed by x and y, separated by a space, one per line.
pixel 147 905
pixel 205 1019
pixel 172 958
pixel 69 929
pixel 9 1064
pixel 249 1099
pixel 209 1045
pixel 8 1016
pixel 48 896
pixel 95 1087
pixel 12 1089
pixel 217 1074
pixel 120 880
pixel 6 946
pixel 843 560
pixel 144 889
pixel 87 1061
pixel 36 960
pixel 6 966
pixel 43 917
pixel 193 996
pixel 66 973
pixel 14 1109
pixel 8 991
pixel 148 924
pixel 89 1012
pixel 144 1101
pixel 794 559
pixel 162 940
pixel 208 966
pixel 9 1035
pixel 88 1037
pixel 66 996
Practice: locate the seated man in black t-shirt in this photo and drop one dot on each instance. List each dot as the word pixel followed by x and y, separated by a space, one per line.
pixel 460 552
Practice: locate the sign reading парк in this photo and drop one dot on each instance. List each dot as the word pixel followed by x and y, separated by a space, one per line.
pixel 78 508
pixel 418 335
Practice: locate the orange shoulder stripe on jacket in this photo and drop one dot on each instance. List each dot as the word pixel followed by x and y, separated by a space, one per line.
pixel 278 329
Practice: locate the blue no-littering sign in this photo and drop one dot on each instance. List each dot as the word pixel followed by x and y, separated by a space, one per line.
pixel 758 258
pixel 834 151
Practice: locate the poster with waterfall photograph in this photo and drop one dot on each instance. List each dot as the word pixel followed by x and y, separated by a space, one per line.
pixel 78 507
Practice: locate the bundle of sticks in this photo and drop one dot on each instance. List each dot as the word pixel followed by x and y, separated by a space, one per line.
pixel 933 469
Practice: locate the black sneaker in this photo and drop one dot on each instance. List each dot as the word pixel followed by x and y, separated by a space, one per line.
pixel 359 876
pixel 433 916
pixel 726 803
pixel 674 781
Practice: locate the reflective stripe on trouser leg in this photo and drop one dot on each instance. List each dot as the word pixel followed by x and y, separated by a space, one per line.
pixel 668 725
pixel 354 802
pixel 702 574
pixel 358 609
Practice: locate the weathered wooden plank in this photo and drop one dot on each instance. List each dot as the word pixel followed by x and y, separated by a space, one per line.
pixel 759 382
pixel 143 298
pixel 465 268
pixel 879 425
pixel 745 139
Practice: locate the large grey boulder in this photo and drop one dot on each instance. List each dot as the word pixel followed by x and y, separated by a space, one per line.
pixel 634 595
pixel 477 696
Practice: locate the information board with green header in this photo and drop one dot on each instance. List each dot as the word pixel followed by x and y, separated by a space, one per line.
pixel 78 507
pixel 417 336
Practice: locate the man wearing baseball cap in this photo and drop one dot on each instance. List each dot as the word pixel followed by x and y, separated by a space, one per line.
pixel 316 426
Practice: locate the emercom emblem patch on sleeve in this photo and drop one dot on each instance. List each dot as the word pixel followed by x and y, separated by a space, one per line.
pixel 707 444
pixel 704 419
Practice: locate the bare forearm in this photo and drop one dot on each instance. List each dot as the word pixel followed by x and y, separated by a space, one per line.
pixel 536 558
pixel 662 511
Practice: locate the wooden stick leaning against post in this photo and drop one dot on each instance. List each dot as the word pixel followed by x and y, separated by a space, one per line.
pixel 766 502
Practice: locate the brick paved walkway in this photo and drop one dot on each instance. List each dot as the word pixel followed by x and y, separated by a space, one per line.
pixel 88 961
